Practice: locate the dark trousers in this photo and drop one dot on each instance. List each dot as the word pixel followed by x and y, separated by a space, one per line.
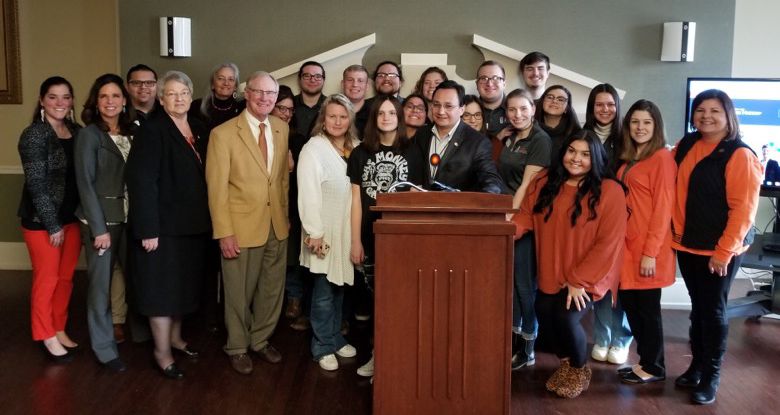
pixel 562 327
pixel 709 295
pixel 643 310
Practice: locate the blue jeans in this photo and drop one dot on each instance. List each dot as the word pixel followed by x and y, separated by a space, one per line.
pixel 293 284
pixel 610 325
pixel 524 293
pixel 326 301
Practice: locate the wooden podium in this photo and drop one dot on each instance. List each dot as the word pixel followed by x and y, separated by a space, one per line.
pixel 443 303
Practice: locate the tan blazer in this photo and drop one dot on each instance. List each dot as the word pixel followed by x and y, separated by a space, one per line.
pixel 245 199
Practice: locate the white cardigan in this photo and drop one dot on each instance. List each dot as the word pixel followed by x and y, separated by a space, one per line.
pixel 324 200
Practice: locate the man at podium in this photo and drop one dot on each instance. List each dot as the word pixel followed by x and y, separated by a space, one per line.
pixel 458 155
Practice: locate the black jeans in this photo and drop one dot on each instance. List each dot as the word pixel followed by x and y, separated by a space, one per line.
pixel 709 295
pixel 643 310
pixel 562 327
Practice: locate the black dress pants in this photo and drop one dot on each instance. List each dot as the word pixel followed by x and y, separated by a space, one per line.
pixel 643 310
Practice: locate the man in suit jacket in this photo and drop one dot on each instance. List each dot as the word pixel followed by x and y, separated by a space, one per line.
pixel 248 180
pixel 457 155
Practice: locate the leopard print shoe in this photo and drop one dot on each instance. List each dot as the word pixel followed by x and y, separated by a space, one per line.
pixel 575 383
pixel 558 377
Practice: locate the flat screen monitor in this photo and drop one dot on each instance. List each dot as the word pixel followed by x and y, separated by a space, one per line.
pixel 757 101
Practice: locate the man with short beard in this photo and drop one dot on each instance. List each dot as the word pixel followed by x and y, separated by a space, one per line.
pixel 311 78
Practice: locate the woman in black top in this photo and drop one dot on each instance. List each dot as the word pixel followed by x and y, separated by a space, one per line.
pixel 49 200
pixel 221 102
pixel 385 157
pixel 524 153
pixel 169 219
pixel 557 117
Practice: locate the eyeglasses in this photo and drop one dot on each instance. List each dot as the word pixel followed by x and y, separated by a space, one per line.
pixel 284 110
pixel 137 84
pixel 176 95
pixel 415 108
pixel 468 116
pixel 486 79
pixel 447 107
pixel 551 98
pixel 309 77
pixel 387 75
pixel 261 92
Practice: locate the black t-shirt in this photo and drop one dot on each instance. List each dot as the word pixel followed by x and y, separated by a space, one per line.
pixel 533 150
pixel 375 173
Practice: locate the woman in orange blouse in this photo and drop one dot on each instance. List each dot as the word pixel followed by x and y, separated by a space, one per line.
pixel 718 181
pixel 648 169
pixel 577 211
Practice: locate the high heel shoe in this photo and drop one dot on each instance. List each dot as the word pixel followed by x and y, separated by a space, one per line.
pixel 172 372
pixel 186 352
pixel 65 358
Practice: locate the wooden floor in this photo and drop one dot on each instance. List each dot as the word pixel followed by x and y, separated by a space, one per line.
pixel 30 384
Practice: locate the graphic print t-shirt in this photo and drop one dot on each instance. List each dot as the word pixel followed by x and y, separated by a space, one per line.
pixel 376 173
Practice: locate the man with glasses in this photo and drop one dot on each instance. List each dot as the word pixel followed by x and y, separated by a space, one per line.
pixel 248 179
pixel 534 69
pixel 354 85
pixel 491 82
pixel 311 78
pixel 142 86
pixel 388 79
pixel 457 156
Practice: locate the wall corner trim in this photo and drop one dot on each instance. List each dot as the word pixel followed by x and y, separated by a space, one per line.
pixel 495 47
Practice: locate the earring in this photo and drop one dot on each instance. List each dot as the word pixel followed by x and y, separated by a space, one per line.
pixel 72 115
pixel 43 116
pixel 235 95
pixel 123 109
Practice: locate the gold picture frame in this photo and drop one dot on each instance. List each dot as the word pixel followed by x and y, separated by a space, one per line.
pixel 10 63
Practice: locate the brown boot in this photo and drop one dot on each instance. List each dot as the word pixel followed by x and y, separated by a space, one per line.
pixel 577 381
pixel 557 378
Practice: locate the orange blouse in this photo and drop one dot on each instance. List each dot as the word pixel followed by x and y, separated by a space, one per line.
pixel 648 232
pixel 743 184
pixel 588 255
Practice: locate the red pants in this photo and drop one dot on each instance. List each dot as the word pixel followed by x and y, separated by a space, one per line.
pixel 52 279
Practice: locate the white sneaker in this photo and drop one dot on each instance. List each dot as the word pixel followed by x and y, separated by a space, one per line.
pixel 599 353
pixel 617 355
pixel 347 351
pixel 367 370
pixel 329 362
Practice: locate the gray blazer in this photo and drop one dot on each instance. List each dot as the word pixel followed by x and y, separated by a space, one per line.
pixel 100 176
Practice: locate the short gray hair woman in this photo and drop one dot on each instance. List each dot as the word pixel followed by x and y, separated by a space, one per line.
pixel 170 223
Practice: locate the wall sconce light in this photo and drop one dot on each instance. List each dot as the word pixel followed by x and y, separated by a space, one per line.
pixel 175 38
pixel 678 41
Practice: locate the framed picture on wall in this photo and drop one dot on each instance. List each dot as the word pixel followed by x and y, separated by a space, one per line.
pixel 10 64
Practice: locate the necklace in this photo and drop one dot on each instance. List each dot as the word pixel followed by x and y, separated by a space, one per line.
pixel 228 108
pixel 343 151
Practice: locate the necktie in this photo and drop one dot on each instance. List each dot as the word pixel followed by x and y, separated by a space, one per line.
pixel 263 143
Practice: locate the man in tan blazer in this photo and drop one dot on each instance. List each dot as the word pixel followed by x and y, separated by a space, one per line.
pixel 248 180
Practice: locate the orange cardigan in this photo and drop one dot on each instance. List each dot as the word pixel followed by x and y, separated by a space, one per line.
pixel 587 255
pixel 744 174
pixel 648 232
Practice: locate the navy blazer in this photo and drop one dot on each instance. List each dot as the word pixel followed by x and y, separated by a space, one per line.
pixel 166 181
pixel 467 164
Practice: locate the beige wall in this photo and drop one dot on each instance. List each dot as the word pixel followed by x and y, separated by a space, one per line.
pixel 77 39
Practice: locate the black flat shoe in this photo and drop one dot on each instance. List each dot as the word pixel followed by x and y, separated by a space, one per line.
pixel 634 379
pixel 115 365
pixel 65 358
pixel 186 352
pixel 172 372
pixel 624 370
